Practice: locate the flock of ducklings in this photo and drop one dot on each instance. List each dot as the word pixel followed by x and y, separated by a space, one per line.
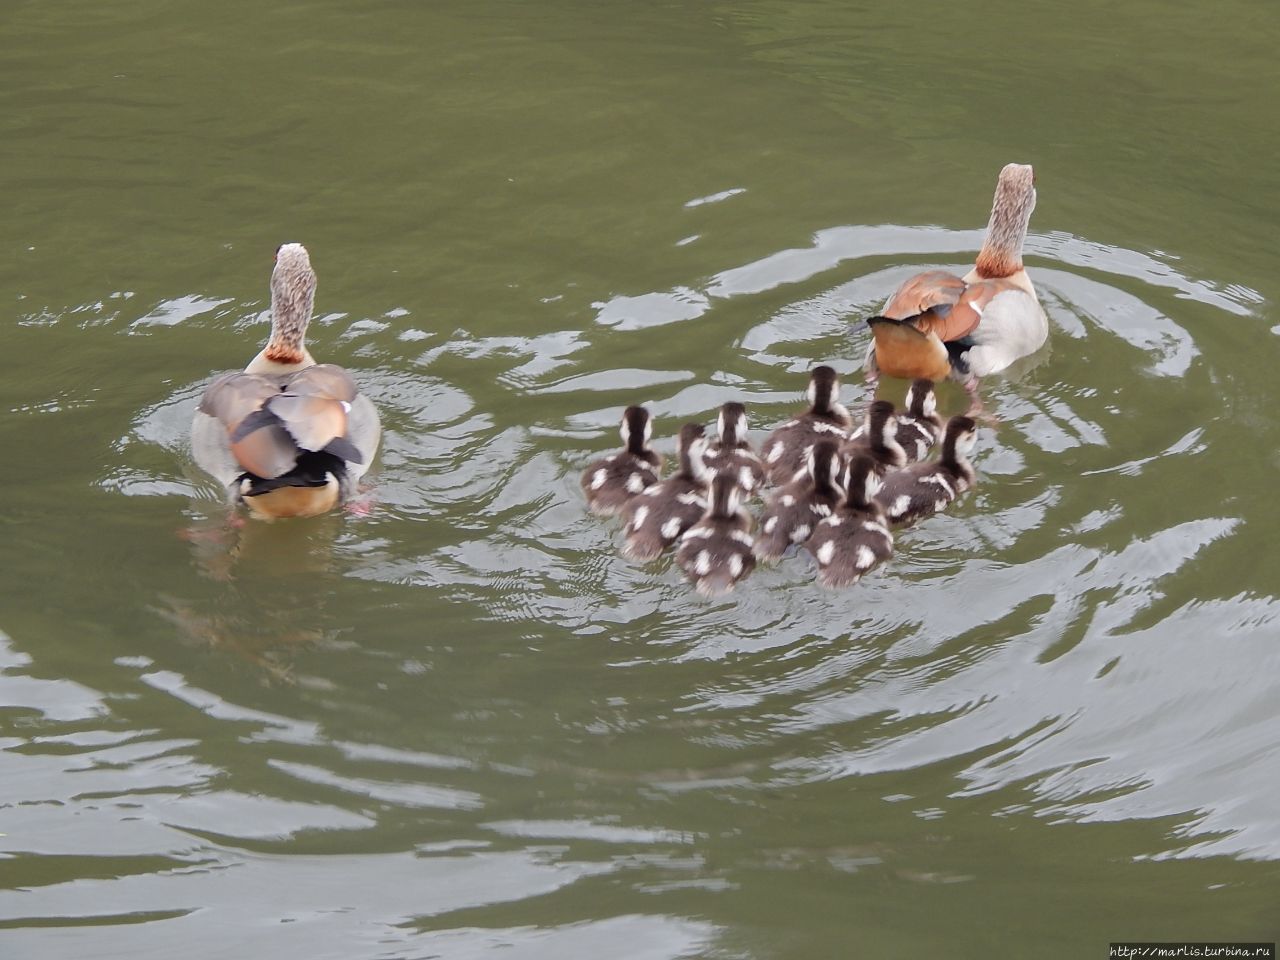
pixel 837 488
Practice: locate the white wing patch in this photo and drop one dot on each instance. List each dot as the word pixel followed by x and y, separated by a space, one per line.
pixel 826 552
pixel 742 537
pixel 598 478
pixel 770 524
pixel 635 483
pixel 865 557
pixel 801 533
pixel 900 506
pixel 689 499
pixel 702 565
pixel 787 500
pixel 671 529
pixel 775 452
pixel 639 517
pixel 735 566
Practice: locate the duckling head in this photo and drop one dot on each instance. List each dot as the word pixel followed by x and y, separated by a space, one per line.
pixel 824 389
pixel 961 437
pixel 862 482
pixel 921 401
pixel 725 496
pixel 636 429
pixel 731 425
pixel 693 444
pixel 293 296
pixel 825 464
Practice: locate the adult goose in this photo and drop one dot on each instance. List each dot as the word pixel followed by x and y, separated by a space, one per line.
pixel 937 325
pixel 287 437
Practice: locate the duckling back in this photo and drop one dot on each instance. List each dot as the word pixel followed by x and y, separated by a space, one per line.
pixel 656 518
pixel 716 552
pixel 856 537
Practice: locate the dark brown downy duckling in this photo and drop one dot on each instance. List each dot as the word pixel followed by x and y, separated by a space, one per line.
pixel 926 488
pixel 715 553
pixel 856 537
pixel 655 519
pixel 610 482
pixel 732 452
pixel 878 438
pixel 826 419
pixel 919 426
pixel 792 512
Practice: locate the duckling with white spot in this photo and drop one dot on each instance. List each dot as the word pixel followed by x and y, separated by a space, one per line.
pixel 826 419
pixel 856 537
pixel 793 512
pixel 922 489
pixel 879 438
pixel 610 482
pixel 732 452
pixel 656 518
pixel 716 552
pixel 919 426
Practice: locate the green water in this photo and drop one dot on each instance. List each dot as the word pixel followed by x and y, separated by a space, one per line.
pixel 464 722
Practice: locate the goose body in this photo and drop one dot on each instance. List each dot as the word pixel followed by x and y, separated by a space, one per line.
pixel 788 446
pixel 938 325
pixel 610 482
pixel 715 553
pixel 732 453
pixel 922 489
pixel 856 537
pixel 656 518
pixel 287 437
pixel 796 509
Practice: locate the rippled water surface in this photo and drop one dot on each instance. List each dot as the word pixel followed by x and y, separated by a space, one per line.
pixel 462 722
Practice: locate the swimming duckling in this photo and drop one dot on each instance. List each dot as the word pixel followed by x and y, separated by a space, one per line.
pixel 793 512
pixel 612 481
pixel 786 448
pixel 715 553
pixel 287 437
pixel 919 426
pixel 924 488
pixel 937 325
pixel 878 438
pixel 856 537
pixel 732 453
pixel 655 519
